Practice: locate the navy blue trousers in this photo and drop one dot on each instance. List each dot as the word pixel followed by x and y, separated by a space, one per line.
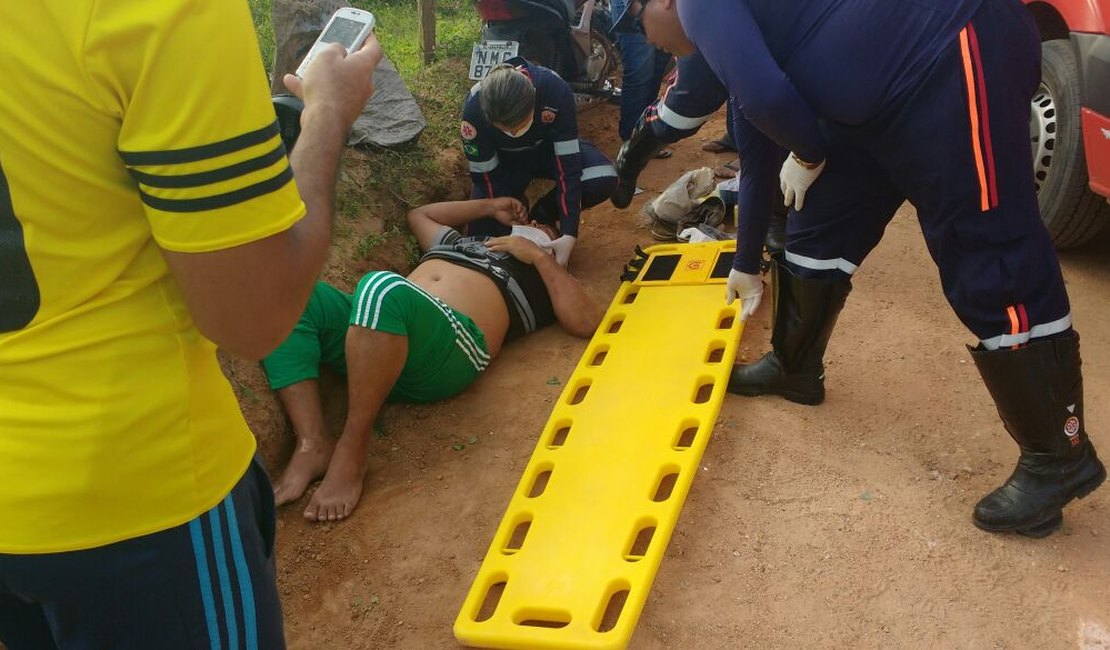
pixel 518 168
pixel 957 147
pixel 643 66
pixel 209 583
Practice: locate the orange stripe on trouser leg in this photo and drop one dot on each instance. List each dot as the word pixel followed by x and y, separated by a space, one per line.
pixel 1015 325
pixel 973 114
pixel 985 120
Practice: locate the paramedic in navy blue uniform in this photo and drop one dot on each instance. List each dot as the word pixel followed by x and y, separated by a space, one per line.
pixel 520 123
pixel 692 97
pixel 882 101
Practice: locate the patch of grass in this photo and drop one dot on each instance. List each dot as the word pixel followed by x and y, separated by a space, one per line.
pixel 440 90
pixel 389 182
pixel 457 28
pixel 264 26
pixel 368 244
pixel 348 202
pixel 412 251
pixel 246 392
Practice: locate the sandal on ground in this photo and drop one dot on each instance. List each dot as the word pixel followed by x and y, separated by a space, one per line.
pixel 720 145
pixel 728 170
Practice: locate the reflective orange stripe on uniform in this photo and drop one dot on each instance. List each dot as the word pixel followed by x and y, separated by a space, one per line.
pixel 973 114
pixel 979 117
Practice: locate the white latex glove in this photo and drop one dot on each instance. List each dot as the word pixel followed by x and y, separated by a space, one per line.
pixel 562 247
pixel 748 287
pixel 794 180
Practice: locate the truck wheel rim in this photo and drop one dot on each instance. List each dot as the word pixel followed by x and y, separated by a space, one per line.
pixel 1042 134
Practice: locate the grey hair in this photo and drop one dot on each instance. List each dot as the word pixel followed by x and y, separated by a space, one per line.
pixel 506 95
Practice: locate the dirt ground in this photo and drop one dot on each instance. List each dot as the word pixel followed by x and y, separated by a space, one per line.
pixel 841 525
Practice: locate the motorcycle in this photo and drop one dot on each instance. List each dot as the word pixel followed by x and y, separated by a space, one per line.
pixel 569 36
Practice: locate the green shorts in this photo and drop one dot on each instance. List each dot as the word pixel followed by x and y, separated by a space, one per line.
pixel 319 338
pixel 446 353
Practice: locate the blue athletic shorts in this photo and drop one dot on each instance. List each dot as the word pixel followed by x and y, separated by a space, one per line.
pixel 209 583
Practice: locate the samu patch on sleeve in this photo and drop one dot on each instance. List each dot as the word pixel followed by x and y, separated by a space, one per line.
pixel 548 115
pixel 467 131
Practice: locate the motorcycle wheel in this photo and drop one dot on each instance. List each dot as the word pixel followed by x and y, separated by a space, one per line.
pixel 603 66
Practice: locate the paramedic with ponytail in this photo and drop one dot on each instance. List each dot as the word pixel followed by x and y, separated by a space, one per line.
pixel 519 124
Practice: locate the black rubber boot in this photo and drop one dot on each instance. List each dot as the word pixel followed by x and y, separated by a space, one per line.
pixel 634 155
pixel 805 312
pixel 1038 390
pixel 775 241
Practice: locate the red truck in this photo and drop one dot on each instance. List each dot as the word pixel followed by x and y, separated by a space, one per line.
pixel 1069 126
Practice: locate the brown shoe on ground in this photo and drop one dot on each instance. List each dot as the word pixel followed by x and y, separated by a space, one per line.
pixel 720 145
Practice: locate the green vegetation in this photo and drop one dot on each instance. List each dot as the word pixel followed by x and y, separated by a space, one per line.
pixel 260 12
pixel 388 183
pixel 439 88
pixel 457 26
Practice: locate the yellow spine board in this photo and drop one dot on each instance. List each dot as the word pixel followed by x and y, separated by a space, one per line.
pixel 580 543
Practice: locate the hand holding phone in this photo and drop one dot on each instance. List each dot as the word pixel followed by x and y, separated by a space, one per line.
pixel 348 26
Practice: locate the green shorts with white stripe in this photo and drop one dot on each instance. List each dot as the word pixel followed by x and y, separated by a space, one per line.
pixel 447 351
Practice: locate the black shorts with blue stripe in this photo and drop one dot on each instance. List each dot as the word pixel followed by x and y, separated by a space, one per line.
pixel 209 583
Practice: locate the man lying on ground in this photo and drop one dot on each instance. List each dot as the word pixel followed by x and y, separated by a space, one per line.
pixel 417 339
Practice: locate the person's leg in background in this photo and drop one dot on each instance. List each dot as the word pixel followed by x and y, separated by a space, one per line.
pixel 513 175
pixel 845 214
pixel 599 181
pixel 726 142
pixel 643 66
pixel 599 177
pixel 723 144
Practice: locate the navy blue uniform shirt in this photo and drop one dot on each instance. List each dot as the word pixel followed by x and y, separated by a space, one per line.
pixel 553 134
pixel 788 65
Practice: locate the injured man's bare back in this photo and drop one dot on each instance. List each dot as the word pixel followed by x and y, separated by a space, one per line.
pixel 420 339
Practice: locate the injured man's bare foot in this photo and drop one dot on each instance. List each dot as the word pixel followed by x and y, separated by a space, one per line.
pixel 341 488
pixel 308 463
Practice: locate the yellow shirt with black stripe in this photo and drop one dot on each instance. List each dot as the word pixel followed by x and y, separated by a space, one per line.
pixel 125 127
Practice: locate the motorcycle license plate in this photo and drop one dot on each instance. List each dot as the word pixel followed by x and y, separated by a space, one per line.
pixel 487 54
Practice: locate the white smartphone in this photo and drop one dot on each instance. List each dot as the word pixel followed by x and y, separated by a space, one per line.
pixel 348 26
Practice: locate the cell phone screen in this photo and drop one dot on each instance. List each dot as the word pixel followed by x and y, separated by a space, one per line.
pixel 342 31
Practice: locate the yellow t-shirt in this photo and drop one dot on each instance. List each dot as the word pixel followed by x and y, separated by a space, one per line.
pixel 125 126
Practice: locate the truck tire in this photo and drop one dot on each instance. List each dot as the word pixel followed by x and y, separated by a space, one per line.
pixel 1070 211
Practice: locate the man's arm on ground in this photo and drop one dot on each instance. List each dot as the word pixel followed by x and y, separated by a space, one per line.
pixel 247 298
pixel 577 312
pixel 426 221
